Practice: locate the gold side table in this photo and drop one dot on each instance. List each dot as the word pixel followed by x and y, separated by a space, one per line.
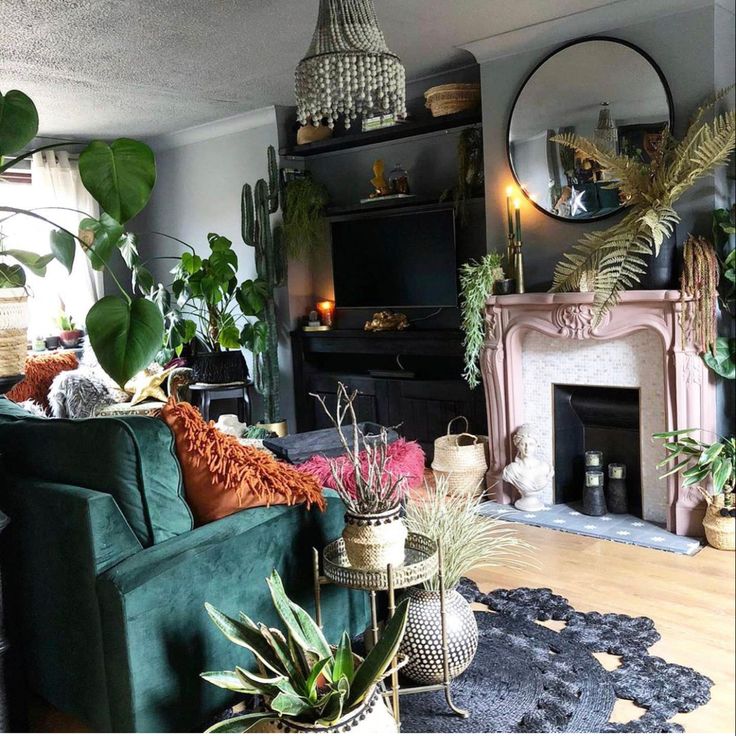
pixel 422 560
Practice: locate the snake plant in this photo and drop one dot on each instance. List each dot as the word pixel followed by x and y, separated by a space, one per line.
pixel 300 676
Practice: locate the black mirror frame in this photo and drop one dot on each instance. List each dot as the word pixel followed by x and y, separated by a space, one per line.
pixel 528 77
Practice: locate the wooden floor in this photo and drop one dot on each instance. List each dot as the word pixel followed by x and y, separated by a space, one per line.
pixel 690 599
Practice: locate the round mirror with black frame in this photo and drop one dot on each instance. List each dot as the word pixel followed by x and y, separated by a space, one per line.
pixel 603 89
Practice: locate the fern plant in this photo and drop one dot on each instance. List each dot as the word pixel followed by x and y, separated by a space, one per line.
pixel 614 259
pixel 476 283
pixel 305 227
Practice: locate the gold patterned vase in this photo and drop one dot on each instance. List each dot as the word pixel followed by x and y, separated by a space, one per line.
pixel 373 541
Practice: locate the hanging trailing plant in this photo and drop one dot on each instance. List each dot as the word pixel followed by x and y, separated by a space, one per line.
pixel 305 227
pixel 476 283
pixel 470 175
pixel 615 257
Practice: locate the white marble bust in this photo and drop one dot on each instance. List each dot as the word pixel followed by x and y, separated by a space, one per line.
pixel 528 473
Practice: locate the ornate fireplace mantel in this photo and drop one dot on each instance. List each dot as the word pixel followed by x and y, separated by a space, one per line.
pixel 689 387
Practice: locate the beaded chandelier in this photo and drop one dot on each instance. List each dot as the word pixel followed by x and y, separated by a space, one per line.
pixel 348 69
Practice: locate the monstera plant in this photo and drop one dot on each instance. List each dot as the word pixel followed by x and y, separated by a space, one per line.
pixel 125 331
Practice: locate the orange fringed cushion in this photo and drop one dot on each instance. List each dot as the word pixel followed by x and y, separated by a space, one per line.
pixel 40 371
pixel 221 476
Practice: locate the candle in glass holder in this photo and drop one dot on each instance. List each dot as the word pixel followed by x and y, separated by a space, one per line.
pixel 593 459
pixel 326 311
pixel 594 500
pixel 616 490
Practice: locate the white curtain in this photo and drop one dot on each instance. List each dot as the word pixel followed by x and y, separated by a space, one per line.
pixel 56 183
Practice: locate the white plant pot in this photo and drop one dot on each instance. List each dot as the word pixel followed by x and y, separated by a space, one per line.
pixel 373 541
pixel 371 717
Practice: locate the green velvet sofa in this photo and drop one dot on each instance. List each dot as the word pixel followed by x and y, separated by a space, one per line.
pixel 106 575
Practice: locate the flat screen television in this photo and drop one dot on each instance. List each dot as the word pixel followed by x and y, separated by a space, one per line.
pixel 395 260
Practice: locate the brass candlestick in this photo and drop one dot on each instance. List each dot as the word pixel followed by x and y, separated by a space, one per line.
pixel 518 267
pixel 510 254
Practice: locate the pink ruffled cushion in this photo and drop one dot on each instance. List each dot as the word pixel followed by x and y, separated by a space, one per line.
pixel 405 458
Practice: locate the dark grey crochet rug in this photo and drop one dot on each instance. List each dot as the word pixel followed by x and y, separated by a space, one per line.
pixel 528 678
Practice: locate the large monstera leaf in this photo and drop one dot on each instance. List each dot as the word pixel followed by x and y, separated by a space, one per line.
pixel 125 335
pixel 119 175
pixel 18 121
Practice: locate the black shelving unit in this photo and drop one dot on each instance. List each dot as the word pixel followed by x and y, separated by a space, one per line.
pixel 395 132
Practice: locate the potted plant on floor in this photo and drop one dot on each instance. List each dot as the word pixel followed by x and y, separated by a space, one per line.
pixel 711 468
pixel 469 541
pixel 374 533
pixel 307 685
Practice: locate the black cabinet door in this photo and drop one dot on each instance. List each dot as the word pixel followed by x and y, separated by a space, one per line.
pixel 424 408
pixel 370 403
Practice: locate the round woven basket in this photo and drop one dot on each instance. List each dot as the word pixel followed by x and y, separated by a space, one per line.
pixel 13 331
pixel 447 99
pixel 461 459
pixel 720 531
pixel 374 541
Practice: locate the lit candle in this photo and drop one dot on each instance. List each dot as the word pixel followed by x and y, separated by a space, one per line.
pixel 617 471
pixel 509 192
pixel 517 207
pixel 326 311
pixel 593 459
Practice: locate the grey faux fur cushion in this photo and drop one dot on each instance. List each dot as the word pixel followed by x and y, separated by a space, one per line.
pixel 81 393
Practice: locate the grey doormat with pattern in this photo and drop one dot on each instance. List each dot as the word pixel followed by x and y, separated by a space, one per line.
pixel 616 527
pixel 527 678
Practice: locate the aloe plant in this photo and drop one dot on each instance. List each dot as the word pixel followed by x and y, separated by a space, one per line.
pixel 300 675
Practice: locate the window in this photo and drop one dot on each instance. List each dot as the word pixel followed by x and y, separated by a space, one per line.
pixel 53 186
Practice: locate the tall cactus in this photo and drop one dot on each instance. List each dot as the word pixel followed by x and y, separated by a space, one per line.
pixel 256 208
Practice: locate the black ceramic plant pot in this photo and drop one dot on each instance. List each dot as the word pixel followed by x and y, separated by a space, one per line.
pixel 227 366
pixel 662 269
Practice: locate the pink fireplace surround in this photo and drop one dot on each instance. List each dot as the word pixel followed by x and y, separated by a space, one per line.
pixel 689 387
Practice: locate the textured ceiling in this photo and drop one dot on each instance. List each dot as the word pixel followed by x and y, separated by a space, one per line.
pixel 144 68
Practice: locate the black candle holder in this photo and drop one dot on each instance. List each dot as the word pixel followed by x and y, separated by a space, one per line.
pixel 594 499
pixel 616 489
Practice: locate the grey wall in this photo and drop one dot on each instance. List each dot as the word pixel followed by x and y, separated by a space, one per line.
pixel 197 192
pixel 684 46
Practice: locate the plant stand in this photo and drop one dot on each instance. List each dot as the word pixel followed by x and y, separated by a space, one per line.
pixel 423 559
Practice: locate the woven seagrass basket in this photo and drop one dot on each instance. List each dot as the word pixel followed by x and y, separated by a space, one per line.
pixel 13 331
pixel 462 459
pixel 447 99
pixel 720 531
pixel 373 541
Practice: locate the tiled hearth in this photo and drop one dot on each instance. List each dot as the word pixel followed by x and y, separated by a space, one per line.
pixel 623 528
pixel 537 341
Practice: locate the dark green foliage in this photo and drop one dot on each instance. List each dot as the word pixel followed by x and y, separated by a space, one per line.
pixel 305 228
